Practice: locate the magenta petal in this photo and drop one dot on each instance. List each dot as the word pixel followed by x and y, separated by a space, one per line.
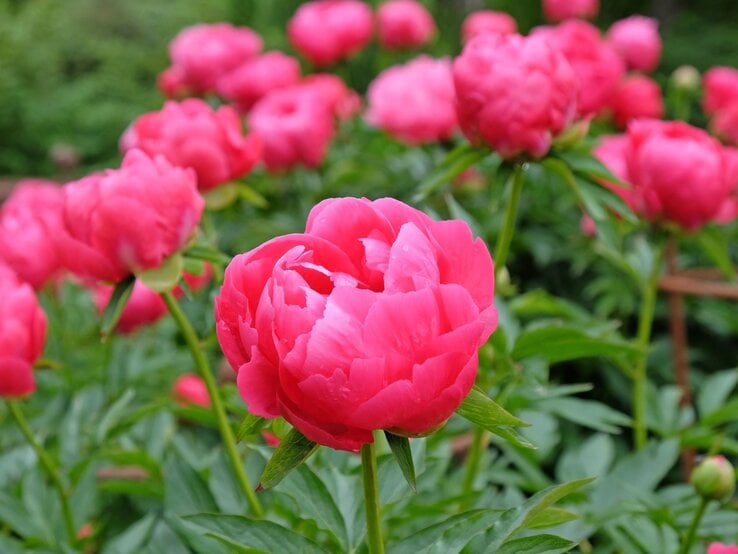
pixel 412 262
pixel 16 377
pixel 258 384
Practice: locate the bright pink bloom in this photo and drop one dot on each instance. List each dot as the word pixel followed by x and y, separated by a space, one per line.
pixel 597 65
pixel 191 134
pixel 191 389
pixel 172 82
pixel 342 101
pixel 487 21
pixel 637 96
pixel 637 40
pixel 404 24
pixel 719 548
pixel 29 220
pixel 326 31
pixel 203 53
pixel 371 319
pixel 253 80
pixel 558 10
pixel 295 126
pixel 414 102
pixel 513 93
pixel 721 89
pixel 678 173
pixel 144 307
pixel 22 335
pixel 130 219
pixel 725 124
pixel 729 211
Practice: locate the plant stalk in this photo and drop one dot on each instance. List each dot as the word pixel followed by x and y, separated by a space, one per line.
pixel 226 432
pixel 691 534
pixel 371 500
pixel 49 467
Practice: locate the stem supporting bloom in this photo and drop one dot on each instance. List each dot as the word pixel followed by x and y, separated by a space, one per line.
pixel 371 500
pixel 502 248
pixel 49 467
pixel 689 539
pixel 226 433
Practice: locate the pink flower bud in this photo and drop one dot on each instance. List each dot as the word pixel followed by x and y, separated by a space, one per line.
pixel 637 96
pixel 638 42
pixel 513 93
pixel 404 24
pixel 721 89
pixel 190 389
pixel 371 319
pixel 558 10
pixel 714 478
pixel 487 21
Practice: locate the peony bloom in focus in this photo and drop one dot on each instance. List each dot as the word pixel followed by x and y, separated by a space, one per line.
pixel 201 54
pixel 190 134
pixel 598 67
pixel 295 125
pixel 487 21
pixel 29 219
pixel 513 93
pixel 327 31
pixel 22 335
pixel 637 96
pixel 678 173
pixel 341 100
pixel 370 319
pixel 190 389
pixel 558 10
pixel 128 220
pixel 638 42
pixel 404 24
pixel 414 102
pixel 253 80
pixel 721 89
pixel 719 548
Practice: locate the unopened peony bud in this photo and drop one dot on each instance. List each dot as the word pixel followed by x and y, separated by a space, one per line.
pixel 686 78
pixel 714 478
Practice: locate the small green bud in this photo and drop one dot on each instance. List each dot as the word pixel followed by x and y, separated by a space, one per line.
pixel 714 478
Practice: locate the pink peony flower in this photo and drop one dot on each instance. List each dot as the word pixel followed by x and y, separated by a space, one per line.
pixel 22 335
pixel 414 102
pixel 326 31
pixel 678 173
pixel 487 21
pixel 719 548
pixel 172 83
pixel 371 319
pixel 637 96
pixel 725 124
pixel 191 134
pixel 203 53
pixel 342 101
pixel 513 93
pixel 190 389
pixel 29 218
pixel 404 24
pixel 638 42
pixel 721 89
pixel 296 126
pixel 128 220
pixel 558 10
pixel 597 65
pixel 251 81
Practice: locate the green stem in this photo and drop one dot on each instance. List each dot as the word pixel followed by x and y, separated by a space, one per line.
pixel 687 544
pixel 473 459
pixel 48 465
pixel 502 248
pixel 645 323
pixel 371 500
pixel 226 432
pixel 462 162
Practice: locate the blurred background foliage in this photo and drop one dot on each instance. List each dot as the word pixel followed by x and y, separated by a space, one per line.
pixel 76 72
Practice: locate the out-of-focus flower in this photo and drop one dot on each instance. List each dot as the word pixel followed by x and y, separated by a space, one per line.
pixel 720 548
pixel 720 89
pixel 404 24
pixel 191 134
pixel 190 389
pixel 487 21
pixel 637 96
pixel 326 31
pixel 342 101
pixel 725 124
pixel 558 10
pixel 414 102
pixel 371 319
pixel 587 226
pixel 513 93
pixel 29 219
pixel 637 40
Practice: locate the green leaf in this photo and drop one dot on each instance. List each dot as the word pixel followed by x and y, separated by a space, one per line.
pixel 291 452
pixel 252 196
pixel 116 305
pixel 241 533
pixel 221 196
pixel 114 415
pixel 558 343
pixel 165 277
pixel 551 517
pixel 715 391
pixel 584 163
pixel 481 410
pixel 448 536
pixel 587 413
pixel 207 254
pixel 513 437
pixel 538 544
pixel 400 447
pixel 250 425
pixel 539 302
pixel 714 242
pixel 726 412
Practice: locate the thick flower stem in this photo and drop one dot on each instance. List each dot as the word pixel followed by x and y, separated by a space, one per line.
pixel 48 465
pixel 226 433
pixel 371 500
pixel 645 323
pixel 689 540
